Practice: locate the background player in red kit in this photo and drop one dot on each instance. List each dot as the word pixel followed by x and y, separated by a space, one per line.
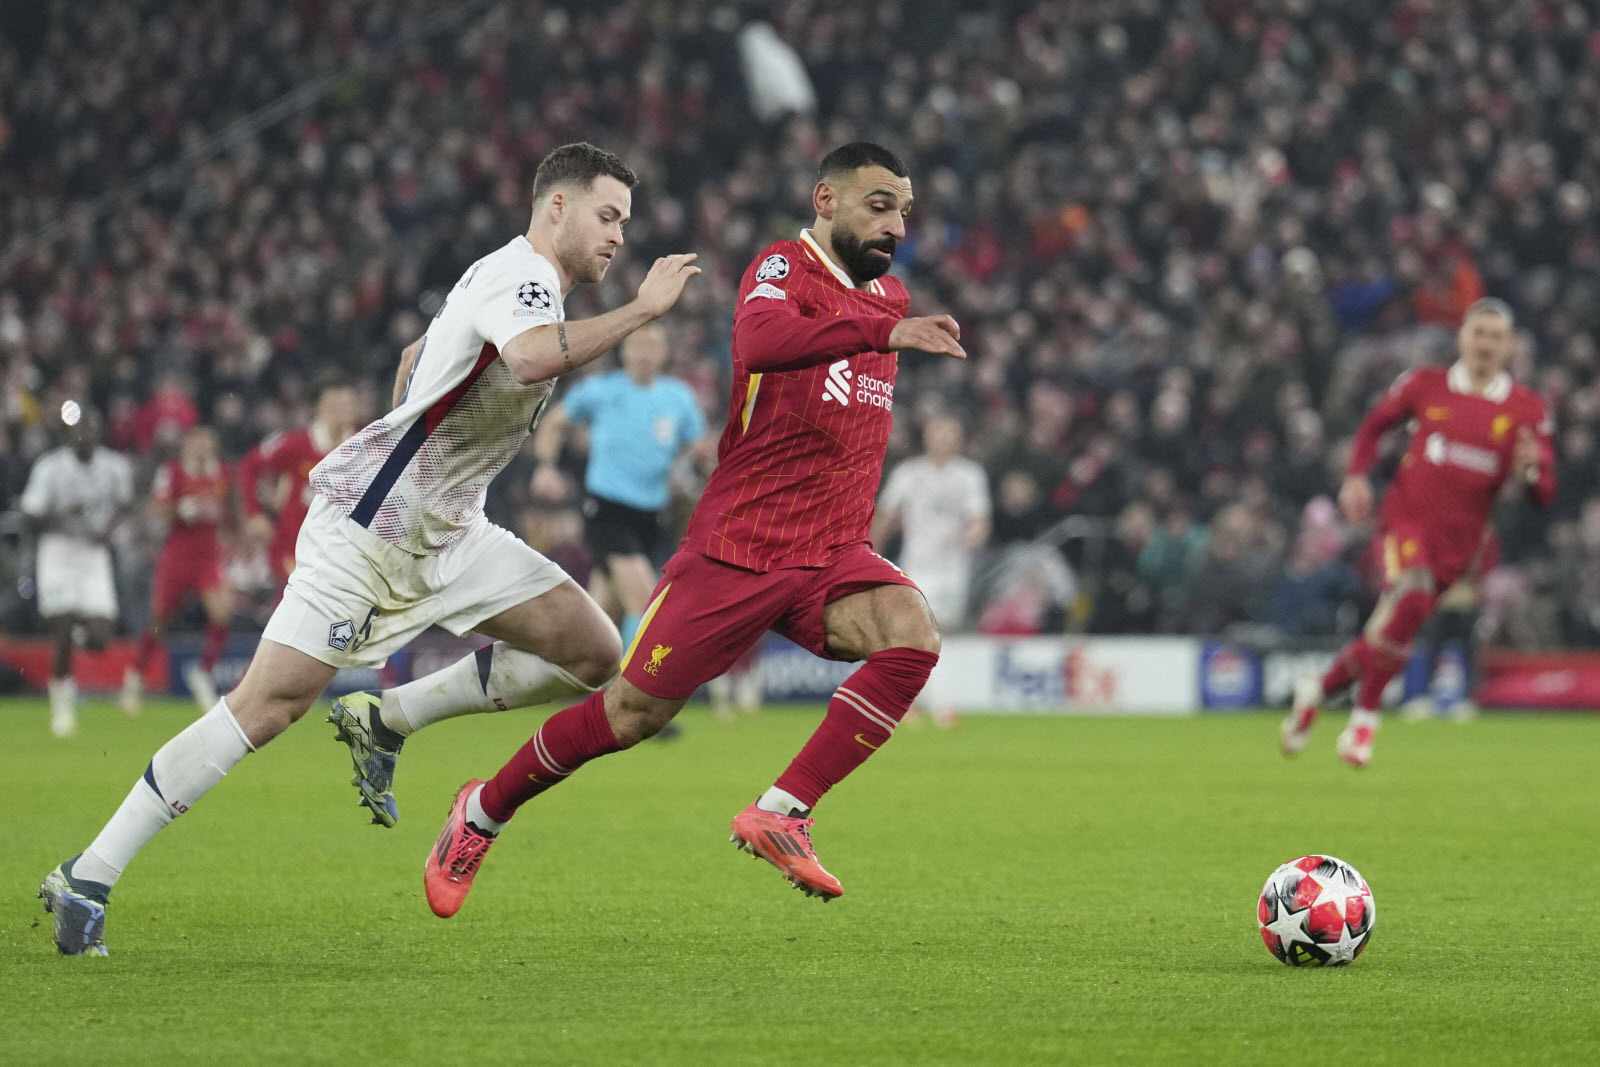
pixel 191 494
pixel 1474 428
pixel 274 482
pixel 778 540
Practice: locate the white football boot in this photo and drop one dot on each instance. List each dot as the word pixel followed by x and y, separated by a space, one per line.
pixel 1355 741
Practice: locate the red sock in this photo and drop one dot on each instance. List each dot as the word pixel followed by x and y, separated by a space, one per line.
pixel 1375 679
pixel 1411 609
pixel 567 740
pixel 147 648
pixel 211 651
pixel 862 715
pixel 1347 667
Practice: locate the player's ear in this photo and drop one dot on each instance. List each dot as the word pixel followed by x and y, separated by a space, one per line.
pixel 823 200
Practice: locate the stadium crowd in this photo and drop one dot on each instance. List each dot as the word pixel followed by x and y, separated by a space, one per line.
pixel 1187 242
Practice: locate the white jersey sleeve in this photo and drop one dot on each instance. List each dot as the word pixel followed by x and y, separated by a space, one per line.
pixel 38 498
pixel 512 301
pixel 417 477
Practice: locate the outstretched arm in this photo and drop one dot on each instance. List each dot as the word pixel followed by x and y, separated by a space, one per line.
pixel 1355 495
pixel 548 351
pixel 778 336
pixel 402 373
pixel 1394 406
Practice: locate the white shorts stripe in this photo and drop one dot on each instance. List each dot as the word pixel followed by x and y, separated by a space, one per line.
pixel 869 712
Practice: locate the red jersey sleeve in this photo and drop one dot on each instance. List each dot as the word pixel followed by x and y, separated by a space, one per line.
pixel 777 328
pixel 272 456
pixel 1397 403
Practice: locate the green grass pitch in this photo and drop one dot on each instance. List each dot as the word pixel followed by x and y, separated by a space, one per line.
pixel 1018 890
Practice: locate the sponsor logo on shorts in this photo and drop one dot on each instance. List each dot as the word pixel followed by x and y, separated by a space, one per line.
pixel 344 636
pixel 341 633
pixel 658 656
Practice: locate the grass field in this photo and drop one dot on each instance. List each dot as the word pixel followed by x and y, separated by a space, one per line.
pixel 1035 890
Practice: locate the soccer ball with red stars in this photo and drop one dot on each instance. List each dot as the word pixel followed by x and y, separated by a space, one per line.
pixel 1316 911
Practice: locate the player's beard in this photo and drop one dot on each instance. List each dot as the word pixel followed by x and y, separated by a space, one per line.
pixel 857 257
pixel 584 265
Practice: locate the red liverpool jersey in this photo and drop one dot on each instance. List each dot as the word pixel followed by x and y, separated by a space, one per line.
pixel 1460 452
pixel 274 477
pixel 199 501
pixel 809 414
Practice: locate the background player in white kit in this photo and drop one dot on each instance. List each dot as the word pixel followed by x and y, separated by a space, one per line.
pixel 75 495
pixel 396 539
pixel 939 504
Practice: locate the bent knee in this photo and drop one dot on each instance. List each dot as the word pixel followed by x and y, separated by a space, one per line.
pixel 920 633
pixel 595 673
pixel 599 663
pixel 635 715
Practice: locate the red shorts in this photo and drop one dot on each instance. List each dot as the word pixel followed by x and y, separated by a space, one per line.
pixel 705 614
pixel 180 573
pixel 1403 546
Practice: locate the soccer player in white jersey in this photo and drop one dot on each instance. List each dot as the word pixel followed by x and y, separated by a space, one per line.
pixel 939 503
pixel 74 497
pixel 396 539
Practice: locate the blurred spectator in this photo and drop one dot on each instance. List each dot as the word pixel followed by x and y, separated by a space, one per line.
pixel 937 504
pixel 1187 243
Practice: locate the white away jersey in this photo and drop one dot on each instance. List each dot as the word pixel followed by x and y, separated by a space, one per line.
pixel 417 477
pixel 936 504
pixel 61 486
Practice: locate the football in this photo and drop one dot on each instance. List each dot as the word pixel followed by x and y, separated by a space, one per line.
pixel 1316 911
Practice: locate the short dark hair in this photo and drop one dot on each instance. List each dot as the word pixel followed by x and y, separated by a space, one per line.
pixel 581 163
pixel 858 154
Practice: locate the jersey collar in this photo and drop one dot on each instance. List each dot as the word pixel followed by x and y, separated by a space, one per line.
pixel 874 286
pixel 1460 381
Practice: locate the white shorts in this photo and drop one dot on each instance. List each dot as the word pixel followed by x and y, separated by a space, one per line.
pixel 353 598
pixel 75 578
pixel 946 595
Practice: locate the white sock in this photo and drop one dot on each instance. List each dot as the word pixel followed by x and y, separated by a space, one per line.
pixel 180 773
pixel 63 693
pixel 1363 717
pixel 497 677
pixel 480 818
pixel 780 801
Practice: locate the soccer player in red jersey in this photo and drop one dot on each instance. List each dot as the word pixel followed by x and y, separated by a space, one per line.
pixel 1474 429
pixel 779 539
pixel 274 477
pixel 191 495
